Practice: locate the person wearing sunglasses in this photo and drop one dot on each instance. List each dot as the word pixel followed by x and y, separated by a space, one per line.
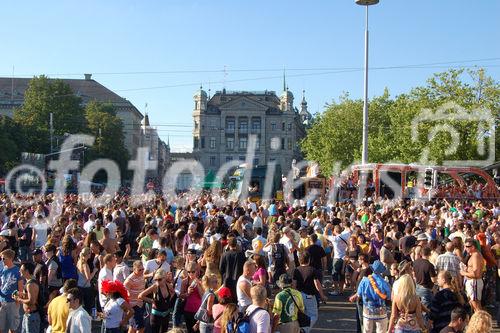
pixel 135 284
pixel 162 292
pixel 79 321
pixel 191 292
pixel 473 273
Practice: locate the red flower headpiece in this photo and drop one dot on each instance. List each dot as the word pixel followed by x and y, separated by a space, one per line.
pixel 110 287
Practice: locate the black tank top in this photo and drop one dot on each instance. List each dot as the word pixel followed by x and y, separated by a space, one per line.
pixel 160 302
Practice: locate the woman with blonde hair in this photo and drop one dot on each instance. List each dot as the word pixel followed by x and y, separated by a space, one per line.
pixel 480 322
pixel 211 260
pixel 84 278
pixel 229 315
pixel 209 283
pixel 162 293
pixel 406 314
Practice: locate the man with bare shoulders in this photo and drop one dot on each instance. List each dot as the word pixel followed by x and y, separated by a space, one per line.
pixel 473 274
pixel 109 244
pixel 30 299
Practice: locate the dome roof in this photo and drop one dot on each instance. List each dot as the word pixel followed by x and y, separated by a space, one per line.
pixel 200 93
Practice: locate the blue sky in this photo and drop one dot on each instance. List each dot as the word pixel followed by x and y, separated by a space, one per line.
pixel 67 39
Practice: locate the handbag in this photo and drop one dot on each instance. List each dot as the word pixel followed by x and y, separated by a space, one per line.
pixel 303 319
pixel 202 313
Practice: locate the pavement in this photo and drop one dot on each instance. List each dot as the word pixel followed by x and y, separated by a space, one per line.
pixel 337 315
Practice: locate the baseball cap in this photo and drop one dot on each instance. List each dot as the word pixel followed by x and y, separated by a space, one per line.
pixel 224 292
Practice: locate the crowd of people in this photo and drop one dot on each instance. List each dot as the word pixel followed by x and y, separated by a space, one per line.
pixel 249 267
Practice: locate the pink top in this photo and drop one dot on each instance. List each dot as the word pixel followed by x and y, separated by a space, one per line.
pixel 193 302
pixel 260 272
pixel 217 310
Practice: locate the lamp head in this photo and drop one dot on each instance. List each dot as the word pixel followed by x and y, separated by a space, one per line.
pixel 366 2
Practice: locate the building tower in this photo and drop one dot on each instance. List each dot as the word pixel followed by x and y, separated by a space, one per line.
pixel 305 116
pixel 286 99
pixel 200 106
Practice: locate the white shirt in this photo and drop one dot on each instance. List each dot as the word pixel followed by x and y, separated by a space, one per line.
pixel 260 321
pixel 121 272
pixel 79 321
pixel 152 265
pixel 289 245
pixel 257 222
pixel 244 300
pixel 40 230
pixel 87 226
pixel 112 229
pixel 339 245
pixel 104 274
pixel 114 312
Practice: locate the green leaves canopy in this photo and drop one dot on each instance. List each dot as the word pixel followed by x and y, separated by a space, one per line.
pixel 335 135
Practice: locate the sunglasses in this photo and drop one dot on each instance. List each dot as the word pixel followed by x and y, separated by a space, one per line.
pixel 191 272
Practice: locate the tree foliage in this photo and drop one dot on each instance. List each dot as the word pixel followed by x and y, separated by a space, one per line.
pixel 43 97
pixel 12 143
pixel 336 134
pixel 107 127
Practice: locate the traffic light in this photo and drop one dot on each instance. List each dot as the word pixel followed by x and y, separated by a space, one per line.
pixel 429 173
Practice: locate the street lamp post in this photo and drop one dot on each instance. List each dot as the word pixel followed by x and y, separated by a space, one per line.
pixel 364 155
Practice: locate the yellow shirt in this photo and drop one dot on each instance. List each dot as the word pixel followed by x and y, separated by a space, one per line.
pixel 304 243
pixel 58 312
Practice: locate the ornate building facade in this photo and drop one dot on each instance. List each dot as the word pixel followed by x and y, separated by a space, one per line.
pixel 224 122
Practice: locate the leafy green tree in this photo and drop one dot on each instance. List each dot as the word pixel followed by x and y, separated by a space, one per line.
pixel 11 143
pixel 335 135
pixel 45 96
pixel 107 128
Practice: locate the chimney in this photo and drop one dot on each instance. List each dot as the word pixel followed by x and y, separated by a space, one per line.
pixel 88 77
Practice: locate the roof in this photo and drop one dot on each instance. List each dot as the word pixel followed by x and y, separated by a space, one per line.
pixel 266 98
pixel 86 89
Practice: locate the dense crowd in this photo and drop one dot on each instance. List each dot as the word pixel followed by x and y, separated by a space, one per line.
pixel 248 267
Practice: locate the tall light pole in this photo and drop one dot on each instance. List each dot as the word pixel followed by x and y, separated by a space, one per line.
pixel 364 155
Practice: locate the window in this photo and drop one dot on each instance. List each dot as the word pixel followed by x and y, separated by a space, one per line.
pixel 230 143
pixel 283 126
pixel 289 144
pixel 230 125
pixel 195 142
pixel 289 127
pixel 255 161
pixel 282 143
pixel 257 143
pixel 243 143
pixel 243 128
pixel 273 126
pixel 212 143
pixel 272 159
pixel 241 158
pixel 202 142
pixel 256 125
pixel 195 125
pixel 212 160
pixel 229 158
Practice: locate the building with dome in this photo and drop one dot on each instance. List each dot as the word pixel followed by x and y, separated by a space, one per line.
pixel 224 122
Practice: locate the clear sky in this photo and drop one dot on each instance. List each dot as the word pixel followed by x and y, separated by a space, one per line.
pixel 319 42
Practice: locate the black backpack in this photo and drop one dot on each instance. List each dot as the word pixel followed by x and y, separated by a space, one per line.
pixel 59 269
pixel 278 254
